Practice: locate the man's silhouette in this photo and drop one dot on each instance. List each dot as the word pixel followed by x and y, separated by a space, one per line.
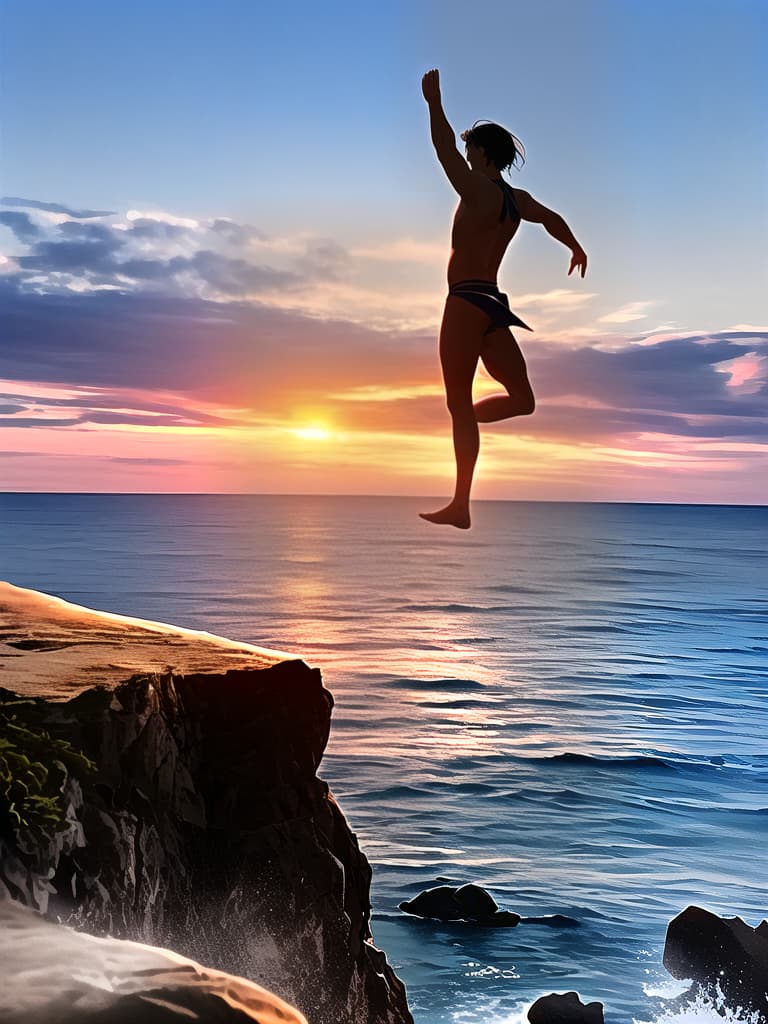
pixel 477 316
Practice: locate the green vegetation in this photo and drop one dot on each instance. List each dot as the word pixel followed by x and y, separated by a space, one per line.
pixel 33 767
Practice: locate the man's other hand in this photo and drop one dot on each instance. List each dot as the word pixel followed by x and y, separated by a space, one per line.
pixel 578 261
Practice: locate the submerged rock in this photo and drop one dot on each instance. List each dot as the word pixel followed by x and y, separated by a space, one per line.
pixel 55 975
pixel 204 827
pixel 501 919
pixel 468 902
pixel 720 951
pixel 565 1008
pixel 475 905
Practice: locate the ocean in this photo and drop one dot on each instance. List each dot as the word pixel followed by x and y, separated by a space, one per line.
pixel 566 705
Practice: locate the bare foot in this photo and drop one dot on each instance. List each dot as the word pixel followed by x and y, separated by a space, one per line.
pixel 451 515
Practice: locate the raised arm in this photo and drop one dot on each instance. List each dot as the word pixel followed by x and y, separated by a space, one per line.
pixel 553 223
pixel 469 185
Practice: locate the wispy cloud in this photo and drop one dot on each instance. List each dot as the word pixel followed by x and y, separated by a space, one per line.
pixel 117 407
pixel 161 217
pixel 627 314
pixel 36 204
pixel 559 298
pixel 404 250
pixel 148 461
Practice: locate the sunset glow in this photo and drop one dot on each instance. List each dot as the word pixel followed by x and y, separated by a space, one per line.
pixel 268 320
pixel 313 433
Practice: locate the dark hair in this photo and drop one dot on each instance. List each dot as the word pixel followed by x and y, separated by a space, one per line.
pixel 500 146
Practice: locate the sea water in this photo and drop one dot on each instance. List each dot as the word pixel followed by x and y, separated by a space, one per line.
pixel 566 705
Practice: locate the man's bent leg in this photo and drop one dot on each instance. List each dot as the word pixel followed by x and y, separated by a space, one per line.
pixel 504 361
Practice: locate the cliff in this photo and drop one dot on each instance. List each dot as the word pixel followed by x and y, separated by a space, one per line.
pixel 200 823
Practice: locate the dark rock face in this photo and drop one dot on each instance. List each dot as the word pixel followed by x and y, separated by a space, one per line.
pixel 468 902
pixel 90 980
pixel 720 951
pixel 206 830
pixel 565 1008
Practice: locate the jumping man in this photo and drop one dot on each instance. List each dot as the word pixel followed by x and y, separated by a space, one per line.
pixel 477 318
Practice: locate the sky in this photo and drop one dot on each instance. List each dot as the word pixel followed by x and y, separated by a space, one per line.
pixel 224 236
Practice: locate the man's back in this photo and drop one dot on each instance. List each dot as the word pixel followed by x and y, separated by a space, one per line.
pixel 481 232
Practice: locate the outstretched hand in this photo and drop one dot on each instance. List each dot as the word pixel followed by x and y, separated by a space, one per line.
pixel 430 86
pixel 578 261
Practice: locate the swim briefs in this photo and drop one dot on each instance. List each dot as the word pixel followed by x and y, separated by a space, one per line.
pixel 486 296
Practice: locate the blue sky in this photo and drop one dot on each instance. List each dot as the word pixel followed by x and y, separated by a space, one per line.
pixel 303 125
pixel 643 122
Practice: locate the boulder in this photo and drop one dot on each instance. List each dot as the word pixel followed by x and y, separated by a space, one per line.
pixel 565 1008
pixel 439 903
pixel 55 975
pixel 475 901
pixel 468 902
pixel 720 951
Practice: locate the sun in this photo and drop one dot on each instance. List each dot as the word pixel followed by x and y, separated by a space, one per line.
pixel 312 433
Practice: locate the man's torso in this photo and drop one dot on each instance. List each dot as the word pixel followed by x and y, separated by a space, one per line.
pixel 479 240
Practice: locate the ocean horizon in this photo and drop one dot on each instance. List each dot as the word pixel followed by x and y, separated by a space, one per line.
pixel 397 497
pixel 565 704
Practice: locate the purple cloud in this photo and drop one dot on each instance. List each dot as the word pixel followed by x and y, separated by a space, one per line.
pixel 677 376
pixel 102 254
pixel 36 204
pixel 21 224
pixel 237 234
pixel 147 336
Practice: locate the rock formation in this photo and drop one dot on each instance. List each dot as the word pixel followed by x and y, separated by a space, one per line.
pixel 468 902
pixel 564 1008
pixel 55 975
pixel 204 827
pixel 722 952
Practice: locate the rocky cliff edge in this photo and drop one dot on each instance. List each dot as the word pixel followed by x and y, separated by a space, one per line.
pixel 180 805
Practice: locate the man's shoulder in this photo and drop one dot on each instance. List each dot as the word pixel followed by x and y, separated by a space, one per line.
pixel 527 206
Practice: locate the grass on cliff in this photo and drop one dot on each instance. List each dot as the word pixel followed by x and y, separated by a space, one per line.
pixel 33 768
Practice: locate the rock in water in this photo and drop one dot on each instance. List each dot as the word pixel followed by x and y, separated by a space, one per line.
pixel 565 1008
pixel 501 919
pixel 55 975
pixel 475 901
pixel 722 951
pixel 439 903
pixel 468 902
pixel 204 827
